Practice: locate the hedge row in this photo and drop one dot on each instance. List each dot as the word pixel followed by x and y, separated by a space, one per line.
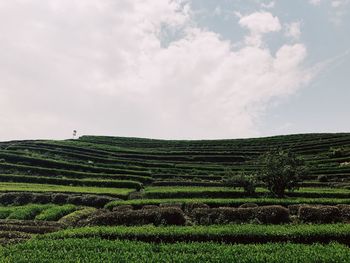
pixel 29 226
pixel 188 183
pixel 239 233
pixel 21 198
pixel 73 218
pixel 56 212
pixel 29 170
pixel 91 250
pixel 264 214
pixel 65 181
pixel 233 193
pixel 139 203
pixel 158 216
pixel 50 163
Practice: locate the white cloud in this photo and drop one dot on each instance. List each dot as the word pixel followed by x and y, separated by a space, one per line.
pixel 292 30
pixel 315 2
pixel 217 11
pixel 339 8
pixel 268 5
pixel 259 23
pixel 103 68
pixel 337 3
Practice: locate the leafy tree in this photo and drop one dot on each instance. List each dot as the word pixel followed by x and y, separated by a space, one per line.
pixel 242 179
pixel 281 170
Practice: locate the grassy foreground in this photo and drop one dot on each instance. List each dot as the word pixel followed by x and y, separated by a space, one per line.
pixel 98 250
pixel 235 233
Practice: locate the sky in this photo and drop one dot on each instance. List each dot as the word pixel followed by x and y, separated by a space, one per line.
pixel 173 69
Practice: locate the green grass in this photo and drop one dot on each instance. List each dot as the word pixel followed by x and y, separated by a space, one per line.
pixel 230 192
pixel 5 212
pixel 27 212
pixel 77 215
pixel 118 192
pixel 72 182
pixel 47 212
pixel 236 233
pixel 97 250
pixel 230 202
pixel 56 212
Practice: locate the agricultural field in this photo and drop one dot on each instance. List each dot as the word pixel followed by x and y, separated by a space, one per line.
pixel 145 200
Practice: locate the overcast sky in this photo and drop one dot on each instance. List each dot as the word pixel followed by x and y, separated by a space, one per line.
pixel 173 69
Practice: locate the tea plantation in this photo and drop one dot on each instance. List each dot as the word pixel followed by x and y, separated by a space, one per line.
pixel 115 199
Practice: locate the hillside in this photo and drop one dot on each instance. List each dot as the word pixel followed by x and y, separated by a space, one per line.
pixel 127 162
pixel 100 192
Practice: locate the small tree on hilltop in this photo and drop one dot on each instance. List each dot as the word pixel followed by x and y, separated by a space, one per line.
pixel 281 170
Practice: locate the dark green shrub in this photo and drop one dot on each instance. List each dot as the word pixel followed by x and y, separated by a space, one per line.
pixel 281 171
pixel 205 216
pixel 73 218
pixel 235 215
pixel 222 215
pixel 23 198
pixel 293 209
pixel 42 198
pixel 190 206
pixel 7 198
pixel 135 195
pixel 319 214
pixel 272 214
pixel 344 212
pixel 75 199
pixel 336 152
pixel 60 198
pixel 323 178
pixel 122 208
pixel 171 216
pixel 56 212
pixel 242 179
pixel 28 226
pixel 127 217
pixel 170 205
pixel 248 205
pixel 5 212
pixel 150 207
pixel 27 212
pixel 167 216
pixel 91 200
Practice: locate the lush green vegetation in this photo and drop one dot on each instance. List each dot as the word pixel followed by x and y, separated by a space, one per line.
pixel 213 191
pixel 118 192
pixel 246 233
pixel 217 202
pixel 97 250
pixel 48 212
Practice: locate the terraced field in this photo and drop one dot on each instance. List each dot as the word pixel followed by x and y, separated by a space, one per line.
pixel 132 199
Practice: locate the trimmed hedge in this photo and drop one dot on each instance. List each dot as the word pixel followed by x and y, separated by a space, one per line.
pixel 229 202
pixel 264 214
pixel 75 182
pixel 21 198
pixel 28 212
pixel 73 218
pixel 240 233
pixel 344 212
pixel 319 214
pixel 29 226
pixel 166 216
pixel 55 213
pixel 36 170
